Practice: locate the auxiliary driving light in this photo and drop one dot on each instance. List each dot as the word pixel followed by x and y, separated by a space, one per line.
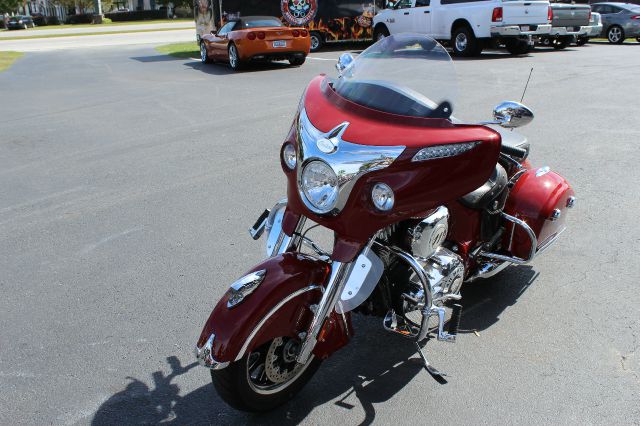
pixel 289 156
pixel 382 197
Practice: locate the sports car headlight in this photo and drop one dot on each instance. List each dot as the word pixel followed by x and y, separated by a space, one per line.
pixel 319 184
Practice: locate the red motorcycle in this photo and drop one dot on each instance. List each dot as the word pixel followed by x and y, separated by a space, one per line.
pixel 419 203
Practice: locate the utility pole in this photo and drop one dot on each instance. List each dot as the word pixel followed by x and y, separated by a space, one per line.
pixel 97 12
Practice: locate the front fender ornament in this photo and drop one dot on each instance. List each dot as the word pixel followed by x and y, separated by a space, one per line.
pixel 246 285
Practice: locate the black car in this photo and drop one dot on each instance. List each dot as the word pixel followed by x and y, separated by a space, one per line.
pixel 20 22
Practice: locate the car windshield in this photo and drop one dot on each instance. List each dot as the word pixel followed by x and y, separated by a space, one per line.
pixel 262 22
pixel 404 74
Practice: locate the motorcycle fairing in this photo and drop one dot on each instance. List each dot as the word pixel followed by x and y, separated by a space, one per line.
pixel 278 307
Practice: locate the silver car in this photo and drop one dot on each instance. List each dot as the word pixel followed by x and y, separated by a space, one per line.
pixel 619 20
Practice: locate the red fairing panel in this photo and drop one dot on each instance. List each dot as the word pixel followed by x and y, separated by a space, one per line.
pixel 286 274
pixel 418 186
pixel 533 199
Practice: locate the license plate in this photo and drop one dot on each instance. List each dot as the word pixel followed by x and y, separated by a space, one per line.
pixel 280 43
pixel 524 28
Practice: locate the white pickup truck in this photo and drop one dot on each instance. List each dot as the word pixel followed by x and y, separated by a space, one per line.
pixel 468 25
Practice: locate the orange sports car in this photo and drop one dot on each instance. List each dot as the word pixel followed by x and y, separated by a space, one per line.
pixel 255 38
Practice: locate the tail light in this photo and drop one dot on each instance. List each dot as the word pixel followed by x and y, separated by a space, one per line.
pixel 635 17
pixel 550 14
pixel 496 16
pixel 251 36
pixel 261 35
pixel 304 33
pixel 295 33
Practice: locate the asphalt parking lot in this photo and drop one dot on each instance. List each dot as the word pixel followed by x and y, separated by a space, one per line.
pixel 128 180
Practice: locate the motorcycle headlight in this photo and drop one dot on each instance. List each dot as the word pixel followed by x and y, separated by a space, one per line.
pixel 289 156
pixel 319 184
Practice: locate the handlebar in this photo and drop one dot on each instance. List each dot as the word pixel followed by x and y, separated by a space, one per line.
pixel 513 151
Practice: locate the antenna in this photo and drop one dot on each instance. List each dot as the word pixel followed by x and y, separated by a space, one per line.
pixel 526 85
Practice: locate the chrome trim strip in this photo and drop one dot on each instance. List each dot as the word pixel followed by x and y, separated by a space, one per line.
pixel 348 160
pixel 205 357
pixel 270 313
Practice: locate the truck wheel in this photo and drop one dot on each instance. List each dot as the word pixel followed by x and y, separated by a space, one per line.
pixel 582 41
pixel 464 42
pixel 615 34
pixel 380 32
pixel 316 41
pixel 517 47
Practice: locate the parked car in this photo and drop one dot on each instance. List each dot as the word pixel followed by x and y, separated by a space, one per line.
pixel 595 29
pixel 255 38
pixel 20 22
pixel 619 21
pixel 468 25
pixel 569 22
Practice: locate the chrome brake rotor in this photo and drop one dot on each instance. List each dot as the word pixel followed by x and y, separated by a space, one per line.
pixel 280 363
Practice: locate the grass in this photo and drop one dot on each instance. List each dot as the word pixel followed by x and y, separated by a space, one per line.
pixel 7 59
pixel 87 34
pixel 180 50
pixel 604 40
pixel 111 24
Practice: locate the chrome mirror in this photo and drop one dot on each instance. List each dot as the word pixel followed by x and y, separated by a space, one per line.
pixel 344 62
pixel 512 114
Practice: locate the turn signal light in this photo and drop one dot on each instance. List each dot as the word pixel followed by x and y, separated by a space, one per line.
pixel 304 33
pixel 496 16
pixel 251 36
pixel 261 35
pixel 295 33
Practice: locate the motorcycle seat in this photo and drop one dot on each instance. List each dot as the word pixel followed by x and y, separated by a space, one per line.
pixel 482 197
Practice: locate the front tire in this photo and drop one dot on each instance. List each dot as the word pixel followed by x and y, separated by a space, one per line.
pixel 615 35
pixel 380 33
pixel 464 42
pixel 265 378
pixel 204 56
pixel 234 58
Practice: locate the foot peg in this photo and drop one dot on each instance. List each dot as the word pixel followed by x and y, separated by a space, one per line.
pixel 437 376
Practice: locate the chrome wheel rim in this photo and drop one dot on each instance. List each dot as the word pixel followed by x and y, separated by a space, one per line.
pixel 314 42
pixel 615 34
pixel 273 367
pixel 461 42
pixel 233 57
pixel 203 53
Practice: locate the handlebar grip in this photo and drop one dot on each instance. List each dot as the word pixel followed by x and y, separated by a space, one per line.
pixel 513 151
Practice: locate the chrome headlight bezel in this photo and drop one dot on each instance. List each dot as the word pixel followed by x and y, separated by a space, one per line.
pixel 328 196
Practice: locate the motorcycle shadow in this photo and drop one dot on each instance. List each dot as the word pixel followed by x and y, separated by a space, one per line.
pixel 373 368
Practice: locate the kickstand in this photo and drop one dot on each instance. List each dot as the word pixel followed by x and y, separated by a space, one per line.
pixel 437 376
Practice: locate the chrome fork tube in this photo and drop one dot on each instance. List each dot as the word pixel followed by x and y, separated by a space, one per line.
pixel 339 275
pixel 286 243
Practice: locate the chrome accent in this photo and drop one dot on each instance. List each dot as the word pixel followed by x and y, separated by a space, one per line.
pixel 275 237
pixel 555 215
pixel 547 243
pixel 344 61
pixel 339 275
pixel 543 171
pixel 488 269
pixel 430 233
pixel 514 259
pixel 362 281
pixel 349 161
pixel 444 151
pixel 510 114
pixel 243 287
pixel 205 355
pixel 273 310
pixel 571 201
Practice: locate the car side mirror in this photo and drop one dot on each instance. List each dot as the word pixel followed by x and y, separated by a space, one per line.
pixel 344 62
pixel 512 114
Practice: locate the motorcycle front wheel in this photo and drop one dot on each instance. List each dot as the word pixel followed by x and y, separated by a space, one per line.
pixel 265 378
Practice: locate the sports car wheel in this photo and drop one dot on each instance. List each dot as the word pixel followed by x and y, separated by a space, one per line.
pixel 638 39
pixel 615 35
pixel 234 58
pixel 265 378
pixel 296 61
pixel 204 57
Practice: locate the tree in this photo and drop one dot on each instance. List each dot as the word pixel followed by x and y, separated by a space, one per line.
pixel 8 6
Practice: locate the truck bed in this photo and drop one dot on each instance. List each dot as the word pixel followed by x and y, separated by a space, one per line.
pixel 570 15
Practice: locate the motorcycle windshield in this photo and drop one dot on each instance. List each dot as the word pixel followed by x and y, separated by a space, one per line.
pixel 404 74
